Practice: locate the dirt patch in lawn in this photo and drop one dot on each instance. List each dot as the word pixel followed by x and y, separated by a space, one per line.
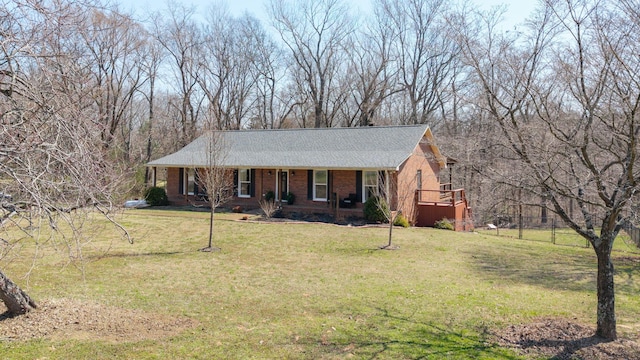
pixel 563 340
pixel 71 319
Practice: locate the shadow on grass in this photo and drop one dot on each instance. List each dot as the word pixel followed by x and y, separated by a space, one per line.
pixel 114 255
pixel 396 337
pixel 559 272
pixel 628 274
pixel 556 271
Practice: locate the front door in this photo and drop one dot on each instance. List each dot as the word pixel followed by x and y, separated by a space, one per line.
pixel 284 184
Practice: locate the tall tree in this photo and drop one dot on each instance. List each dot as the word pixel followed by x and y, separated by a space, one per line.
pixel 273 105
pixel 181 37
pixel 372 68
pixel 52 158
pixel 565 97
pixel 151 67
pixel 228 74
pixel 116 48
pixel 315 33
pixel 424 54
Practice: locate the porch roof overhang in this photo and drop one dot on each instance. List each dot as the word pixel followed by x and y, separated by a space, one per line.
pixel 375 148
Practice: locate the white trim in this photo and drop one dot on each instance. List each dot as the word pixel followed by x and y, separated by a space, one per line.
pixel 315 185
pixel 241 182
pixel 278 182
pixel 364 183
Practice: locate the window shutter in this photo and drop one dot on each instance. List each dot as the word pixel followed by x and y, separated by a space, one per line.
pixel 235 182
pixel 181 181
pixel 252 187
pixel 309 184
pixel 359 186
pixel 329 186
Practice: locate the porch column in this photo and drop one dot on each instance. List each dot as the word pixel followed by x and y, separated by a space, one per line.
pixel 154 176
pixel 277 187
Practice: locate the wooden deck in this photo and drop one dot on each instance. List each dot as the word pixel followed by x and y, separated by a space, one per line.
pixel 434 205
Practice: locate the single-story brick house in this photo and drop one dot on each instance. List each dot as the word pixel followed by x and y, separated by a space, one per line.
pixel 328 170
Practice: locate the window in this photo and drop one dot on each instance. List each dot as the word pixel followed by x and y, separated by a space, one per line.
pixel 244 183
pixel 369 184
pixel 190 181
pixel 320 185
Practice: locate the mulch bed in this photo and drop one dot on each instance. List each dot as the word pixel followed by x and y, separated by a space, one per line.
pixel 563 339
pixel 73 319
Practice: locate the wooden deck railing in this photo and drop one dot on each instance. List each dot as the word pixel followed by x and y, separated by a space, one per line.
pixel 434 205
pixel 443 196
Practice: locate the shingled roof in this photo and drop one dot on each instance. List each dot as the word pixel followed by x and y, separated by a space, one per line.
pixel 380 148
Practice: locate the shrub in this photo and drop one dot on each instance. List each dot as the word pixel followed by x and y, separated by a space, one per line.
pixel 401 221
pixel 268 207
pixel 290 198
pixel 374 209
pixel 444 224
pixel 156 196
pixel 269 196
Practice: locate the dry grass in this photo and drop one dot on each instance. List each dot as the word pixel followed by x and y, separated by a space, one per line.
pixel 313 291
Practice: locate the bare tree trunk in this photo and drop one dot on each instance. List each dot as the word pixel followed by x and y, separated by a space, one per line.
pixel 213 209
pixel 390 230
pixel 151 120
pixel 16 300
pixel 606 323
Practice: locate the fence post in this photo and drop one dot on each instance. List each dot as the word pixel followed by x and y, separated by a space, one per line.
pixel 520 224
pixel 520 213
pixel 553 231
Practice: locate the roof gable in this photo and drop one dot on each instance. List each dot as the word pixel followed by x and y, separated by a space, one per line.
pixel 385 147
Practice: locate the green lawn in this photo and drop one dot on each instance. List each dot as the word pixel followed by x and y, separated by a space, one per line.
pixel 318 291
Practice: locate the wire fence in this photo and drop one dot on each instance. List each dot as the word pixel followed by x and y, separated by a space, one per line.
pixel 634 233
pixel 551 230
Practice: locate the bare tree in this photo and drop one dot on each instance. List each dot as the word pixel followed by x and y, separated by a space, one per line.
pixel 115 47
pixel 315 33
pixel 181 37
pixel 388 202
pixel 228 74
pixel 566 107
pixel 215 177
pixel 424 54
pixel 370 55
pixel 273 105
pixel 151 67
pixel 390 195
pixel 52 158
